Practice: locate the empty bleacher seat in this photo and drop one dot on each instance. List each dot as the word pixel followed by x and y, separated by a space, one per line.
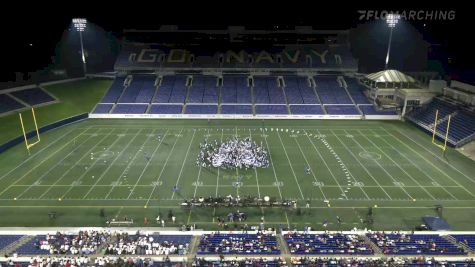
pixel 371 110
pixel 330 91
pixel 114 91
pixel 8 104
pixel 166 109
pixel 6 240
pixel 414 244
pixel 201 109
pixel 103 108
pixel 356 91
pixel 235 90
pixel 271 110
pixel 130 109
pixel 306 109
pixel 341 110
pixel 236 109
pixel 33 96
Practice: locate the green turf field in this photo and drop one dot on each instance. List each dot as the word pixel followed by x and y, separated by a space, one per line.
pixel 355 165
pixel 74 98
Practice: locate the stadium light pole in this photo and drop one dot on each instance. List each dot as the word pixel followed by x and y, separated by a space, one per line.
pixel 80 26
pixel 391 20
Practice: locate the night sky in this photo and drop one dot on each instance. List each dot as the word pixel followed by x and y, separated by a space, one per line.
pixel 30 35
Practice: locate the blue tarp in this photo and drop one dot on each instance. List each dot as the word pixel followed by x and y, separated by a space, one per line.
pixel 436 223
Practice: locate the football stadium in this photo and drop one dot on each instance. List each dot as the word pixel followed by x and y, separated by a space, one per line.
pixel 238 147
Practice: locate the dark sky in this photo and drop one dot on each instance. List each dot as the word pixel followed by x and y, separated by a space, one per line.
pixel 42 26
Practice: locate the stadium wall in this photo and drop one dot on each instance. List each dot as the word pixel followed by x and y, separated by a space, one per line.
pixel 227 116
pixel 43 129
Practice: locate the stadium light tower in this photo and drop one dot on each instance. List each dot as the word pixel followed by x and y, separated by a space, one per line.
pixel 392 20
pixel 80 26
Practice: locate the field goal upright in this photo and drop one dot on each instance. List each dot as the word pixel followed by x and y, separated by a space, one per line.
pixel 38 139
pixel 443 147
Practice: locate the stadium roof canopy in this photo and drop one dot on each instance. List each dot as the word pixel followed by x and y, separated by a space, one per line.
pixel 390 76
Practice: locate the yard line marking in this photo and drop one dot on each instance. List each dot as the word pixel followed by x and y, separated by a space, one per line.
pixel 51 168
pixel 39 152
pixel 172 207
pixel 41 162
pixel 344 167
pixel 255 171
pixel 217 176
pixel 74 165
pixel 129 164
pixel 402 169
pixel 196 183
pixel 273 167
pixel 364 167
pixel 184 161
pixel 290 164
pixel 326 164
pixel 433 165
pixel 77 164
pixel 161 171
pixel 249 185
pixel 473 181
pixel 392 178
pixel 111 164
pixel 415 165
pixel 311 169
pixel 147 164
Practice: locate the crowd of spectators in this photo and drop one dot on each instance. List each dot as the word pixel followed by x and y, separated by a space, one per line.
pixel 260 243
pixel 380 262
pixel 247 262
pixel 124 244
pixel 402 243
pixel 84 243
pixel 327 243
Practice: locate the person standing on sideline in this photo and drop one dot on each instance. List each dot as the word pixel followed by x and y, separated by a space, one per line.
pixel 163 223
pixel 173 219
pixel 158 219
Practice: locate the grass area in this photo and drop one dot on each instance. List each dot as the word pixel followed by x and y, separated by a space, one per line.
pixel 391 166
pixel 75 98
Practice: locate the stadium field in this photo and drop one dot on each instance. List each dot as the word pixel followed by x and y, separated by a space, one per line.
pixel 82 168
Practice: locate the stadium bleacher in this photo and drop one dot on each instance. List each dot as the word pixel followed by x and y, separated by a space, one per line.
pixel 466 239
pixel 356 91
pixel 341 110
pixel 130 109
pixel 8 104
pixel 414 244
pixel 235 90
pixel 371 110
pixel 103 108
pixel 260 243
pixel 33 96
pixel 236 109
pixel 166 109
pixel 114 91
pixel 201 109
pixel 462 124
pixel 238 95
pixel 330 91
pixel 203 90
pixel 306 109
pixel 6 240
pixel 271 110
pixel 303 243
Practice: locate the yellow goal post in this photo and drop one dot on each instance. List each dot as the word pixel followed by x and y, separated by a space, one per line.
pixel 434 131
pixel 38 139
